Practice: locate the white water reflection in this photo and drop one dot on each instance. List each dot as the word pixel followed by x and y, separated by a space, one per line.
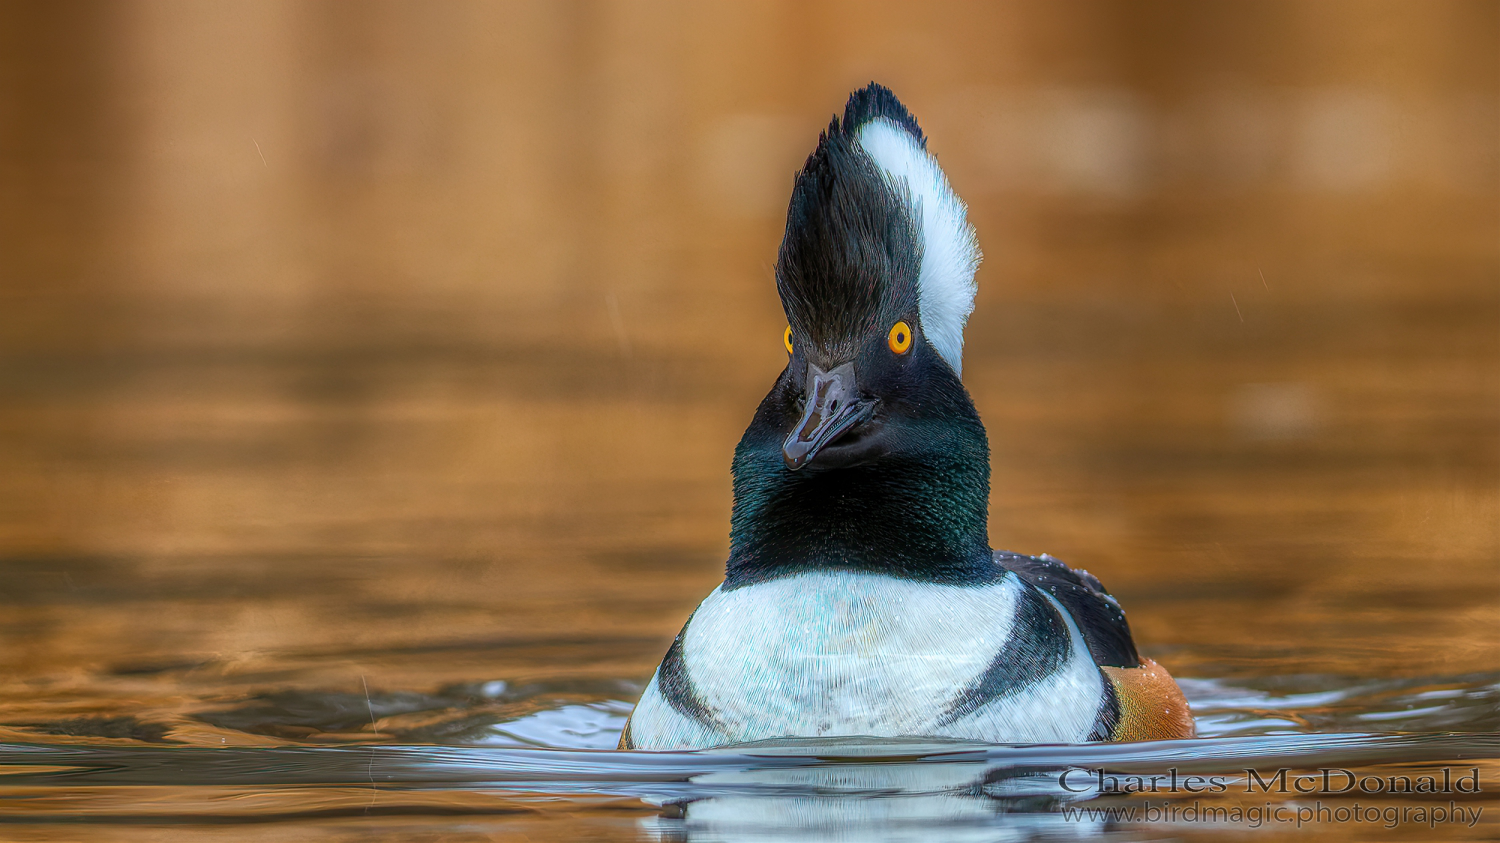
pixel 587 726
pixel 878 790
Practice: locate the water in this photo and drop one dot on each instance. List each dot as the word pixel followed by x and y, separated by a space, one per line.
pixel 513 782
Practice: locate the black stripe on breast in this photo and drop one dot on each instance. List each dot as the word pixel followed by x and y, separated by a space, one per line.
pixel 676 686
pixel 1108 718
pixel 1039 644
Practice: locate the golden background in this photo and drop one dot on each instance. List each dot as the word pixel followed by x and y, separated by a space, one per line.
pixel 403 339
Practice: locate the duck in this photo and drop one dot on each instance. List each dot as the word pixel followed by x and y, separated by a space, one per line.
pixel 861 597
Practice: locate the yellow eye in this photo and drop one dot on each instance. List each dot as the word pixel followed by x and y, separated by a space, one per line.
pixel 900 338
pixel 786 339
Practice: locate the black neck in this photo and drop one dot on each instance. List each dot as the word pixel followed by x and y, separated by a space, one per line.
pixel 918 511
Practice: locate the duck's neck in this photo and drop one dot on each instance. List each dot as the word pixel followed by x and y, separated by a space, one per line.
pixel 918 512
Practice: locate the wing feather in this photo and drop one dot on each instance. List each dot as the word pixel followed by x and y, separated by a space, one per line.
pixel 1099 617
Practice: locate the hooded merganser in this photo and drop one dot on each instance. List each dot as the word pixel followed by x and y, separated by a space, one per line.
pixel 861 596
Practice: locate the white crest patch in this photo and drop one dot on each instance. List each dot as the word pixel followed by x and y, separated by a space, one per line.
pixel 950 249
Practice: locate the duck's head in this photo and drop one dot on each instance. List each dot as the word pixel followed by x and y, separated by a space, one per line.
pixel 868 448
pixel 876 274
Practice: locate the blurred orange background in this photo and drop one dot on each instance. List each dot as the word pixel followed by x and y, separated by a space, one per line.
pixel 381 322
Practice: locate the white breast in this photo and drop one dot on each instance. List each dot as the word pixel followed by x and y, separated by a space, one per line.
pixel 845 653
pixel 842 653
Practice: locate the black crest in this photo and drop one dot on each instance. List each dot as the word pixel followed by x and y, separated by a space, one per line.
pixel 875 100
pixel 852 251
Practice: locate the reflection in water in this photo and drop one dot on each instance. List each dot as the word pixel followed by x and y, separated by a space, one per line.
pixel 802 790
pixel 876 791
